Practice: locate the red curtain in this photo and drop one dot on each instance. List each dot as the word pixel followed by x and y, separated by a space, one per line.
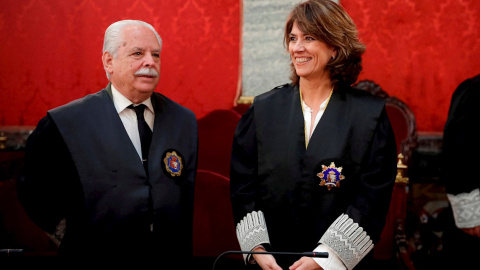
pixel 50 51
pixel 419 51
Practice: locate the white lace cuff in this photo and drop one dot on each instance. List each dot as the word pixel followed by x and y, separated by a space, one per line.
pixel 466 208
pixel 252 231
pixel 347 240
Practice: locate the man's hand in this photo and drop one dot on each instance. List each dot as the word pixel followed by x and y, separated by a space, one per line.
pixel 305 263
pixel 265 261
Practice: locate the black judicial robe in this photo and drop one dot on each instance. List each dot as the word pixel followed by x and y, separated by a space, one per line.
pixel 461 144
pixel 460 157
pixel 271 170
pixel 81 165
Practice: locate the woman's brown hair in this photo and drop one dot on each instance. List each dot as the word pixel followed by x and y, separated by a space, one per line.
pixel 330 23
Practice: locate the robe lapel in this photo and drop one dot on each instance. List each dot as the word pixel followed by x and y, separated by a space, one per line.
pixel 297 122
pixel 114 130
pixel 327 136
pixel 159 136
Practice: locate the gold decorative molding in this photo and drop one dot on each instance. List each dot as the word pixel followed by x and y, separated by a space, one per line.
pixel 3 140
pixel 14 137
pixel 401 168
pixel 245 100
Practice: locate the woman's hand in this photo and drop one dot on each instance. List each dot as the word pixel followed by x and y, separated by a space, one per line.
pixel 265 261
pixel 305 263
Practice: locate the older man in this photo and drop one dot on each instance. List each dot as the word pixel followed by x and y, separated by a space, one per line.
pixel 118 165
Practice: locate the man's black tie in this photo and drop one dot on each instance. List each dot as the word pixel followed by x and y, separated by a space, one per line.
pixel 144 131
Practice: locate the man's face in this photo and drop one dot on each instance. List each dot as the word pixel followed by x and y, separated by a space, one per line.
pixel 136 69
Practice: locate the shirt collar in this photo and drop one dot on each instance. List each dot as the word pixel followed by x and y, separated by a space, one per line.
pixel 323 106
pixel 121 102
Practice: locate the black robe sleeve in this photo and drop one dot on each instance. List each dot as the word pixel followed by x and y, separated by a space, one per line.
pixel 460 154
pixel 244 167
pixel 370 207
pixel 44 188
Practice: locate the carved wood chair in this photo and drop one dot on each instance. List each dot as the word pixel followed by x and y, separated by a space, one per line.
pixel 401 116
pixel 213 227
pixel 215 138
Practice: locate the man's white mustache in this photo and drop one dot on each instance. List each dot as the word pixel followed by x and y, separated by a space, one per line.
pixel 146 72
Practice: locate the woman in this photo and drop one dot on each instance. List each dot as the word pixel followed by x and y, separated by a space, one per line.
pixel 314 161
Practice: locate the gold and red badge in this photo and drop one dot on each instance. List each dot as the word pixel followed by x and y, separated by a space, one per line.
pixel 173 163
pixel 330 176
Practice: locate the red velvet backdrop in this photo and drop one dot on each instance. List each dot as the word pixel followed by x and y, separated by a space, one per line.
pixel 419 50
pixel 50 51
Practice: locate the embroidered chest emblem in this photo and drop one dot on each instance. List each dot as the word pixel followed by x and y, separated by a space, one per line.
pixel 330 176
pixel 173 163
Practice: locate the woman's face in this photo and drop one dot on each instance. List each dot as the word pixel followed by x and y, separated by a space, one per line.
pixel 309 55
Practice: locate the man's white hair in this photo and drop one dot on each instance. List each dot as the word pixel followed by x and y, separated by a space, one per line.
pixel 114 37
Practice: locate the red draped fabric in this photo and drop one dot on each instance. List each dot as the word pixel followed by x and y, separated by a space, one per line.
pixel 419 51
pixel 50 51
